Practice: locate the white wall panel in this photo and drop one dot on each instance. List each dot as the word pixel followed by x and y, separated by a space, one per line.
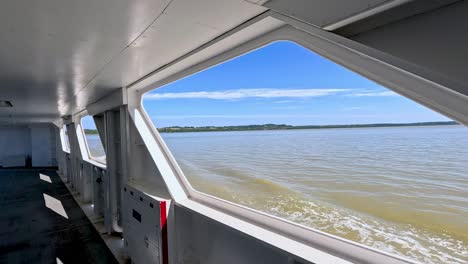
pixel 436 40
pixel 325 12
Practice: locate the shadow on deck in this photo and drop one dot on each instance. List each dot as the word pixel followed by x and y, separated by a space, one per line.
pixel 40 222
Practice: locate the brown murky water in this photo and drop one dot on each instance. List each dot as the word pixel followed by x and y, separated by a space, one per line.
pixel 403 190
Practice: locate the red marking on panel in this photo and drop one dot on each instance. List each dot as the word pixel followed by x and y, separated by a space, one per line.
pixel 163 218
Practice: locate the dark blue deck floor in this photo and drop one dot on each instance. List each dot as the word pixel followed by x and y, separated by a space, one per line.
pixel 31 232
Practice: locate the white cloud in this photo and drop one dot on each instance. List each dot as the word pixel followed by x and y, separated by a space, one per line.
pixel 247 93
pixel 352 108
pixel 156 117
pixel 284 102
pixel 373 94
pixel 269 93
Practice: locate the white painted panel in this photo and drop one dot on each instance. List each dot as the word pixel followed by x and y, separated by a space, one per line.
pixel 51 49
pixel 199 239
pixel 436 40
pixel 324 12
pixel 142 225
pixel 57 56
pixel 184 26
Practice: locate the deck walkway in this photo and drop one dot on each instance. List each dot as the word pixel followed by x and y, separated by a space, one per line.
pixel 40 222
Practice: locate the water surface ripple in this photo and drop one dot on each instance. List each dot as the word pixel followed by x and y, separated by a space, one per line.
pixel 401 189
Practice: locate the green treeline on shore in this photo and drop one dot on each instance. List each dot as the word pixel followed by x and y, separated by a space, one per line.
pixel 90 131
pixel 178 129
pixel 175 129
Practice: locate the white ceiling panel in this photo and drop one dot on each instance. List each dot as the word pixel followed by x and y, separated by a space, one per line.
pixel 183 27
pixel 51 49
pixel 323 13
pixel 58 56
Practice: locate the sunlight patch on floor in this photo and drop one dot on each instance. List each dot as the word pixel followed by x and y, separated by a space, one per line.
pixel 55 205
pixel 45 178
pixel 58 261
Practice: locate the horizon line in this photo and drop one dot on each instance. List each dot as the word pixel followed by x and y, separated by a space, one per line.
pixel 324 126
pixel 318 126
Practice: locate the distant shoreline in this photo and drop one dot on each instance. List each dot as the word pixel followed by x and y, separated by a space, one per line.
pixel 178 129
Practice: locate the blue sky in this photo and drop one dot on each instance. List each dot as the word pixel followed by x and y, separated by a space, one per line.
pixel 281 83
pixel 88 122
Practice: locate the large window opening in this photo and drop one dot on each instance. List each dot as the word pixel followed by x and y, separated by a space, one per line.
pixel 64 139
pixel 93 140
pixel 285 131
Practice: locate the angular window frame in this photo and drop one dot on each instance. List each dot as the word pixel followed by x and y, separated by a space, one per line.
pixel 90 157
pixel 64 139
pixel 404 78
